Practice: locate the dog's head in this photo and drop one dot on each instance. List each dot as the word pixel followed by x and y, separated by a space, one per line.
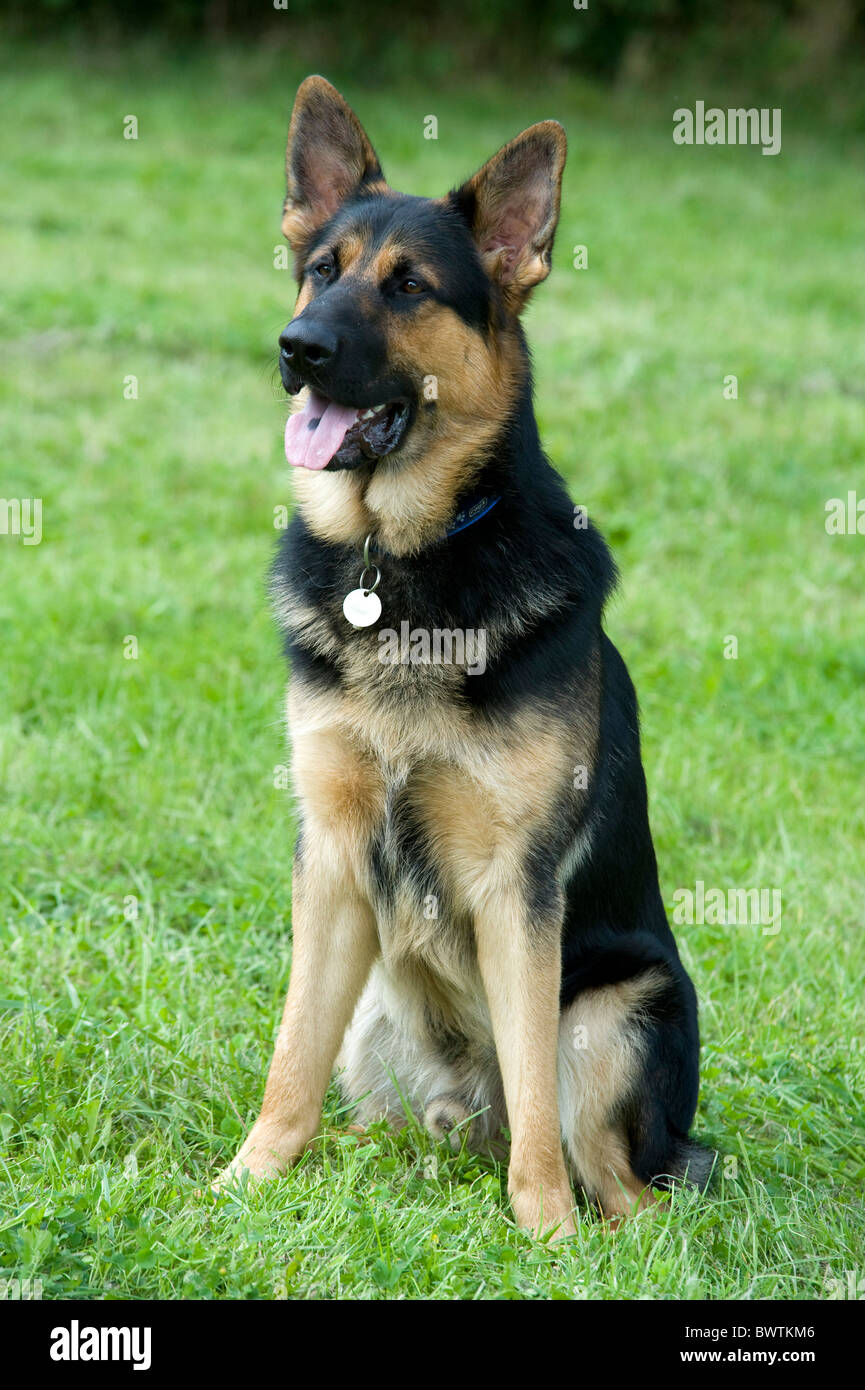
pixel 404 327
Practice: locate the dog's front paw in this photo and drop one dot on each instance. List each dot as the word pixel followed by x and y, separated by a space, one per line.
pixel 265 1154
pixel 545 1213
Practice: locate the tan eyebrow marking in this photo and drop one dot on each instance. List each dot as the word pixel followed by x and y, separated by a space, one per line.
pixel 390 256
pixel 349 249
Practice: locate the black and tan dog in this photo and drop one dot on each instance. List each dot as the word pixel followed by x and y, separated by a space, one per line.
pixel 478 927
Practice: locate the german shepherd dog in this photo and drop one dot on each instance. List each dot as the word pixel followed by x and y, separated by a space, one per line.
pixel 479 933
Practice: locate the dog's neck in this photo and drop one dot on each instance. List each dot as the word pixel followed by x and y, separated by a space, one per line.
pixel 408 501
pixel 405 508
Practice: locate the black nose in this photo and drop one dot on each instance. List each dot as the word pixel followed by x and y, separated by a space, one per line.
pixel 307 345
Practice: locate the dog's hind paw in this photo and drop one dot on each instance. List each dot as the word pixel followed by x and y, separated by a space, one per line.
pixel 445 1119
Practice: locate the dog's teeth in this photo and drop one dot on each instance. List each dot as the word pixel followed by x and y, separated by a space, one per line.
pixel 367 414
pixel 379 407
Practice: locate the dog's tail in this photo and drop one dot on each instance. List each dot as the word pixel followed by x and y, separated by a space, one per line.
pixel 692 1163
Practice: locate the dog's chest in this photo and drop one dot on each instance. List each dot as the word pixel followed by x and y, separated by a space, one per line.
pixel 442 815
pixel 422 911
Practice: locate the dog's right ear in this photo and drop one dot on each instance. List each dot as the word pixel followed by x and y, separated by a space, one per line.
pixel 329 157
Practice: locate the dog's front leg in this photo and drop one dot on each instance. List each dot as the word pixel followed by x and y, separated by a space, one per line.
pixel 520 964
pixel 335 942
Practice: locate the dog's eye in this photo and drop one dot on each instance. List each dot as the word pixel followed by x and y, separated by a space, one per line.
pixel 323 269
pixel 411 286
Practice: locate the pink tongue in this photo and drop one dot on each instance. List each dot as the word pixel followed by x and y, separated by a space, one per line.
pixel 313 435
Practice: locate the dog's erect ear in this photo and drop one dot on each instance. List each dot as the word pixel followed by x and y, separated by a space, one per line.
pixel 512 207
pixel 328 158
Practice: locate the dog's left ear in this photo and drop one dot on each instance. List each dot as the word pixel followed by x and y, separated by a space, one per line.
pixel 512 207
pixel 329 157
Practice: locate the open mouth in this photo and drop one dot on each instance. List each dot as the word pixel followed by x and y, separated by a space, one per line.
pixel 327 435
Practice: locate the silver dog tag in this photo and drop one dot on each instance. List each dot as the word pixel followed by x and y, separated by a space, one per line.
pixel 362 607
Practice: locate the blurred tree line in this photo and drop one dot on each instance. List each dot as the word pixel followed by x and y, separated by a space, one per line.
pixel 607 38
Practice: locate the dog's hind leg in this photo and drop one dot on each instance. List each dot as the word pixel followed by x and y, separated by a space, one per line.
pixel 393 1064
pixel 379 1067
pixel 388 1065
pixel 628 1088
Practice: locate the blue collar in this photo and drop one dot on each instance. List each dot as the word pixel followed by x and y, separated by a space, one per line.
pixel 470 513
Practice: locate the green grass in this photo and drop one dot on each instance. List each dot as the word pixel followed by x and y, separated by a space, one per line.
pixel 134 1050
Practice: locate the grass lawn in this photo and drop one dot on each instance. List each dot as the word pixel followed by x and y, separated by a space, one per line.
pixel 145 871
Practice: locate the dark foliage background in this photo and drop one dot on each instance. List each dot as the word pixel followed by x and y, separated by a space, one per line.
pixel 793 41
